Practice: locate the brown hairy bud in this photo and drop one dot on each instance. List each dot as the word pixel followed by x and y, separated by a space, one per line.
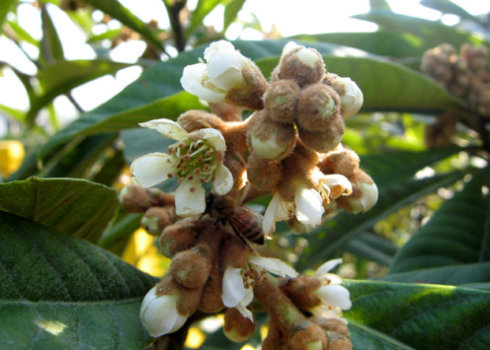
pixel 190 268
pixel 157 218
pixel 235 253
pixel 324 141
pixel 211 296
pixel 299 290
pixel 351 97
pixel 364 193
pixel 262 173
pixel 196 119
pixel 302 65
pixel 275 337
pixel 342 161
pixel 280 101
pixel 189 300
pixel 269 139
pixel 311 337
pixel 180 236
pixel 475 56
pixel 250 95
pixel 318 107
pixel 137 199
pixel 237 328
pixel 336 325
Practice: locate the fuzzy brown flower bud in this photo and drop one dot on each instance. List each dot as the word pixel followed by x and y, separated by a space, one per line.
pixel 318 107
pixel 190 268
pixel 180 236
pixel 311 337
pixel 299 290
pixel 157 218
pixel 280 101
pixel 250 95
pixel 323 141
pixel 237 327
pixel 262 173
pixel 269 139
pixel 302 65
pixel 195 119
pixel 341 161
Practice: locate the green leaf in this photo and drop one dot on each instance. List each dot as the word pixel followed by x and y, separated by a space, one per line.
pixel 423 316
pixel 22 34
pixel 379 5
pixel 231 11
pixel 60 292
pixel 77 207
pixel 453 235
pixel 373 248
pixel 364 337
pixel 448 7
pixel 452 275
pixel 203 8
pixel 15 113
pixel 62 76
pixel 336 232
pixel 5 7
pixel 485 248
pixel 378 43
pixel 51 48
pixel 431 32
pixel 116 10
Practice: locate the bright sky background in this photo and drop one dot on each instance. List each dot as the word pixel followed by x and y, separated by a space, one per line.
pixel 290 17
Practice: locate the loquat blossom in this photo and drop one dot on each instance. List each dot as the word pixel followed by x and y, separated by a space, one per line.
pixel 194 160
pixel 238 283
pixel 159 313
pixel 222 71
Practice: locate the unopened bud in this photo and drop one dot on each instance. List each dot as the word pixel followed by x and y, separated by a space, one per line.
pixel 318 106
pixel 280 101
pixel 197 119
pixel 323 141
pixel 269 139
pixel 180 236
pixel 302 65
pixel 342 161
pixel 135 199
pixel 211 301
pixel 351 97
pixel 311 337
pixel 300 289
pixel 364 195
pixel 157 218
pixel 262 173
pixel 190 268
pixel 237 327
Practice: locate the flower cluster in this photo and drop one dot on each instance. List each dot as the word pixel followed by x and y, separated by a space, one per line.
pixel 467 75
pixel 289 148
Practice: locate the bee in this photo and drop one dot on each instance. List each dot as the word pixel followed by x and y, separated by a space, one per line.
pixel 246 223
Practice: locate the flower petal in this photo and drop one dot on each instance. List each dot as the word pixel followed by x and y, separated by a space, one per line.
pixel 242 306
pixel 337 184
pixel 167 127
pixel 326 267
pixel 216 47
pixel 151 169
pixel 233 288
pixel 190 199
pixel 223 180
pixel 335 295
pixel 213 137
pixel 159 314
pixel 192 81
pixel 309 206
pixel 273 265
pixel 268 223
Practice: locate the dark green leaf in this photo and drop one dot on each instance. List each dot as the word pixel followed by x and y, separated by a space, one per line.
pixel 337 231
pixel 452 275
pixel 116 10
pixel 60 292
pixel 5 7
pixel 231 11
pixel 373 248
pixel 485 247
pixel 432 33
pixel 203 8
pixel 378 43
pixel 448 7
pixel 423 316
pixel 77 207
pixel 51 48
pixel 364 337
pixel 63 76
pixel 453 235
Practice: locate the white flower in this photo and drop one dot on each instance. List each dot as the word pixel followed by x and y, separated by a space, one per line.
pixel 332 295
pixel 222 71
pixel 351 97
pixel 332 185
pixel 159 314
pixel 367 200
pixel 194 160
pixel 307 207
pixel 238 286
